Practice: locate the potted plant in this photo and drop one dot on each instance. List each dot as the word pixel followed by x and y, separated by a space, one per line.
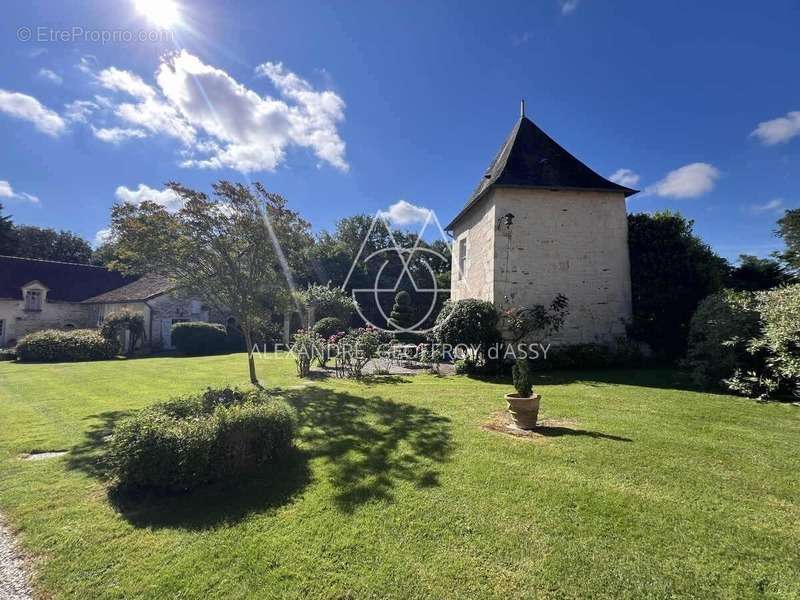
pixel 524 404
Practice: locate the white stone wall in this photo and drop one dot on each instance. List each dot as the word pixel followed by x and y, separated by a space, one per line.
pixel 54 315
pixel 569 242
pixel 477 227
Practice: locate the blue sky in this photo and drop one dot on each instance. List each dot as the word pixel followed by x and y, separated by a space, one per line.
pixel 349 107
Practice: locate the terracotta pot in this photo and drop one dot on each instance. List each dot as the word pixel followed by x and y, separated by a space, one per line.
pixel 524 411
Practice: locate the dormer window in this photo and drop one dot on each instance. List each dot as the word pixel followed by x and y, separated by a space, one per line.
pixel 33 300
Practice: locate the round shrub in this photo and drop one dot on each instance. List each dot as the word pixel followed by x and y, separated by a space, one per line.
pixel 198 338
pixel 471 322
pixel 53 345
pixel 328 326
pixel 183 443
pixel 720 333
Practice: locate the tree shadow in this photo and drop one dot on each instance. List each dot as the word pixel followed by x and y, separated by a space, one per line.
pixel 371 444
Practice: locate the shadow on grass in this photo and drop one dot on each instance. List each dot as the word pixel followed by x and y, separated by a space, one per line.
pixel 553 431
pixel 371 444
pixel 368 445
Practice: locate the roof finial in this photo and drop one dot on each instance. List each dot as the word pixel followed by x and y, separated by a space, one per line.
pixel 522 107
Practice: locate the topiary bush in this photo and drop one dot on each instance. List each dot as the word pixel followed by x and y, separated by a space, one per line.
pixel 53 345
pixel 186 442
pixel 522 378
pixel 328 326
pixel 198 338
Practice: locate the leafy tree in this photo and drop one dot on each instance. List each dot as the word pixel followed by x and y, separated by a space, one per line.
pixel 6 234
pixel 789 231
pixel 231 249
pixel 48 244
pixel 672 270
pixel 753 274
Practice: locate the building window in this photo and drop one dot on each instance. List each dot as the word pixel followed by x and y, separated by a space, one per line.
pixel 196 307
pixel 69 327
pixel 33 300
pixel 462 258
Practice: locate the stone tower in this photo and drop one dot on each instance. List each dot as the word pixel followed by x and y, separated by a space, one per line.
pixel 540 223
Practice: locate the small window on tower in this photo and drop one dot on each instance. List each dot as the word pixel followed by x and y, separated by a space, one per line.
pixel 462 258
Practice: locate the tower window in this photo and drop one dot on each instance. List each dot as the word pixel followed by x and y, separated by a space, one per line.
pixel 462 258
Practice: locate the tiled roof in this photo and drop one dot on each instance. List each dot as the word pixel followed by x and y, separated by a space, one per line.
pixel 136 291
pixel 66 282
pixel 532 159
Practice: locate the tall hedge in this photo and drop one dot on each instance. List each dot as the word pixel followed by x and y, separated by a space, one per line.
pixel 199 338
pixel 53 345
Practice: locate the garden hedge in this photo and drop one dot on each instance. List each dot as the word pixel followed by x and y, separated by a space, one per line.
pixel 199 338
pixel 186 442
pixel 53 345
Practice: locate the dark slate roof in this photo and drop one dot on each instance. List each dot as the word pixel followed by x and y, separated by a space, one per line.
pixel 142 289
pixel 532 159
pixel 66 282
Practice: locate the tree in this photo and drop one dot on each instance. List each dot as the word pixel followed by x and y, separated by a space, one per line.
pixel 753 274
pixel 789 231
pixel 6 234
pixel 672 270
pixel 48 244
pixel 234 249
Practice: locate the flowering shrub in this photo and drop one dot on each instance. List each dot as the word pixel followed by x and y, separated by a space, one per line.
pixel 431 355
pixel 307 346
pixel 355 349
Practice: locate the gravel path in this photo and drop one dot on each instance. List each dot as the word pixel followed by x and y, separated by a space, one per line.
pixel 13 575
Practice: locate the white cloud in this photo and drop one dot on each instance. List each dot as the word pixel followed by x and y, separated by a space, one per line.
pixel 30 109
pixel 166 197
pixel 776 205
pixel 404 213
pixel 6 191
pixel 79 111
pixel 568 6
pixel 124 81
pixel 51 76
pixel 625 177
pixel 219 122
pixel 102 236
pixel 115 135
pixel 778 130
pixel 689 181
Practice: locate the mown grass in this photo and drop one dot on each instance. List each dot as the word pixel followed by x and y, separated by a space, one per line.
pixel 397 492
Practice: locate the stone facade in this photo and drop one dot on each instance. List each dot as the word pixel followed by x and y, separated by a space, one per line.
pixel 572 242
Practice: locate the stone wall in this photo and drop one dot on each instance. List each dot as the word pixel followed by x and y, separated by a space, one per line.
pixel 477 227
pixel 54 315
pixel 569 242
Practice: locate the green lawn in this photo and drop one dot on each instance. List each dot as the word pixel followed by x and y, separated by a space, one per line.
pixel 397 492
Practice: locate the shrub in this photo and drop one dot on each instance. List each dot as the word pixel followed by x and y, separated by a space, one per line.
pixel 52 345
pixel 471 322
pixel 720 333
pixel 328 301
pixel 8 354
pixel 355 349
pixel 522 378
pixel 186 442
pixel 198 338
pixel 121 321
pixel 465 366
pixel 307 347
pixel 622 353
pixel 328 326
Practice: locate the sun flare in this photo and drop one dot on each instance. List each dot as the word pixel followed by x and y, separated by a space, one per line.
pixel 161 13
